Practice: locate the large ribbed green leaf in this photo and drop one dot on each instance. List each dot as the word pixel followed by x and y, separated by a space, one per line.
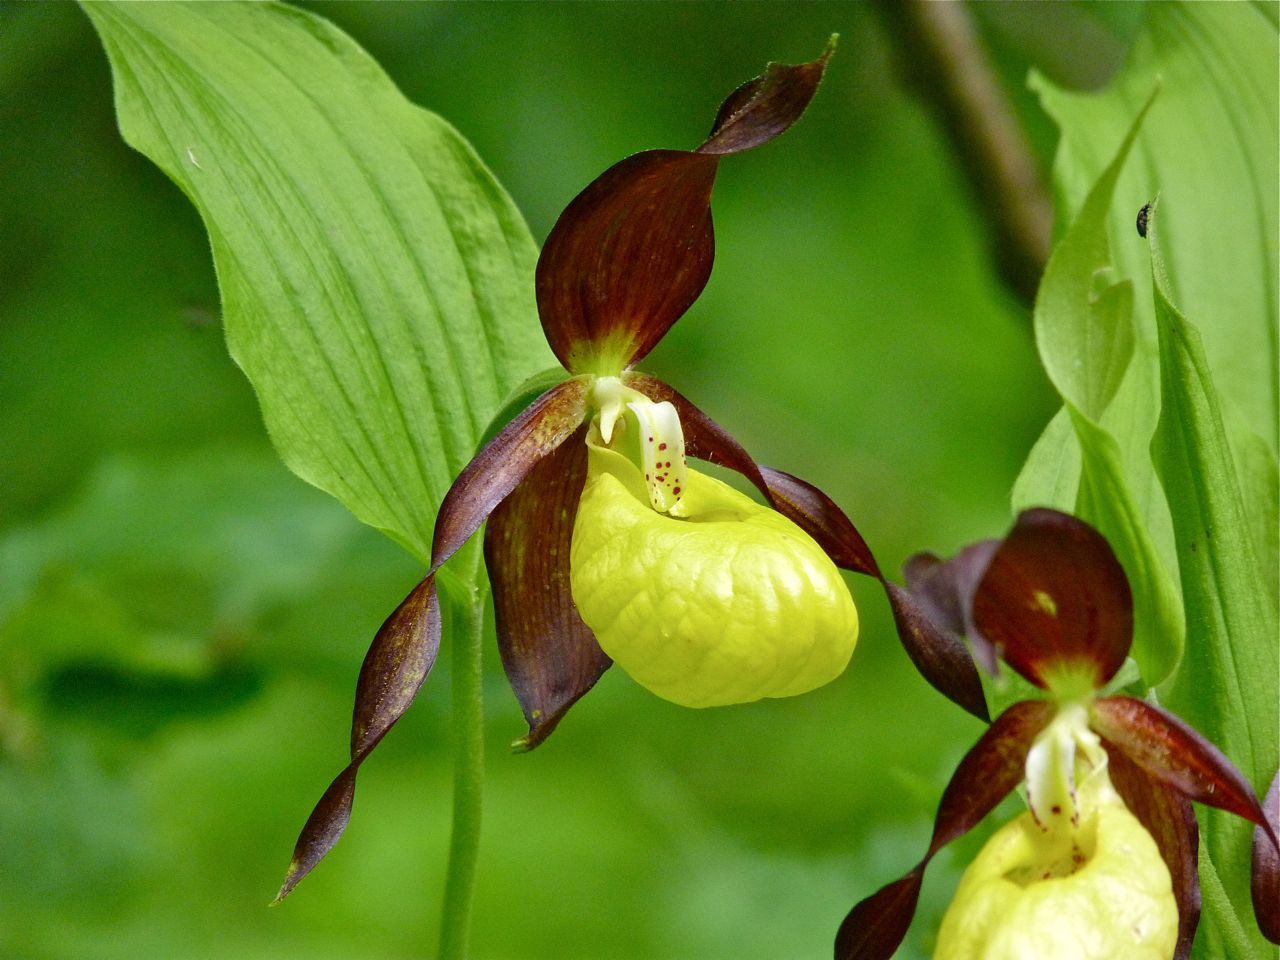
pixel 377 283
pixel 1229 682
pixel 1209 146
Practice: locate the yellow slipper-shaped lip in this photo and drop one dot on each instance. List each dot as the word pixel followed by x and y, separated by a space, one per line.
pixel 727 603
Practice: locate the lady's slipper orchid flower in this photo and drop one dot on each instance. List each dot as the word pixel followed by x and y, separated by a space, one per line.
pixel 601 542
pixel 1104 863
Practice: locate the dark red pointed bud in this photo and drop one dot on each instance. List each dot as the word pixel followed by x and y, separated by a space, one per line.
pixel 634 249
pixel 1056 604
pixel 1167 815
pixel 503 462
pixel 550 656
pixel 1177 755
pixel 874 928
pixel 1266 868
pixel 397 664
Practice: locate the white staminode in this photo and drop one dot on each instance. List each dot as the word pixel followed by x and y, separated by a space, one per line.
pixel 649 434
pixel 1066 746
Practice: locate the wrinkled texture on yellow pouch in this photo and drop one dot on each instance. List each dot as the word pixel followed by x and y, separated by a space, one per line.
pixel 729 603
pixel 1118 903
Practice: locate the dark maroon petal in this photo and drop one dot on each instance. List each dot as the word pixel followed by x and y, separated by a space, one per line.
pixel 817 514
pixel 397 664
pixel 989 771
pixel 634 249
pixel 938 654
pixel 1055 600
pixel 874 929
pixel 503 462
pixel 322 830
pixel 550 655
pixel 1266 868
pixel 1174 753
pixel 1167 815
pixel 944 591
pixel 765 107
pixel 626 259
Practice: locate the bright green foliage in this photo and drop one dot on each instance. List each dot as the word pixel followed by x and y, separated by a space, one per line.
pixel 1227 684
pixel 1199 500
pixel 1086 344
pixel 376 281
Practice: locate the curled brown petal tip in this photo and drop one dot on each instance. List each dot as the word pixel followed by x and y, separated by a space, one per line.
pixel 766 106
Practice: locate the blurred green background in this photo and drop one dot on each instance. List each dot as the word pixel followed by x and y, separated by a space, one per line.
pixel 181 620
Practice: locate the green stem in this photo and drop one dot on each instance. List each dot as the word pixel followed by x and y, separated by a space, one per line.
pixel 468 780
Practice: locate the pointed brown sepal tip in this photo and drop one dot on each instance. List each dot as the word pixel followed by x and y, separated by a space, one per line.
pixel 1265 885
pixel 766 106
pixel 322 830
pixel 1055 601
pixel 939 655
pixel 876 927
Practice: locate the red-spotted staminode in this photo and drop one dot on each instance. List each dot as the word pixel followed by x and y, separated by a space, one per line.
pixel 1104 863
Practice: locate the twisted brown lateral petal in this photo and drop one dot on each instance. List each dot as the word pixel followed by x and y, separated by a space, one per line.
pixel 1176 755
pixel 1055 598
pixel 503 462
pixel 405 648
pixel 634 249
pixel 940 656
pixel 874 928
pixel 1266 868
pixel 398 662
pixel 1167 815
pixel 550 655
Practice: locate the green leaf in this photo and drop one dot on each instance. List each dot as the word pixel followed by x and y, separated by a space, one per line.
pixel 1215 64
pixel 1086 343
pixel 1227 684
pixel 377 283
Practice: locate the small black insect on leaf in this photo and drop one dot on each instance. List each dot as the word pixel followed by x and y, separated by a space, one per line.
pixel 1142 219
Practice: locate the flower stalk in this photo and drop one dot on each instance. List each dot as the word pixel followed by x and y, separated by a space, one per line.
pixel 468 779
